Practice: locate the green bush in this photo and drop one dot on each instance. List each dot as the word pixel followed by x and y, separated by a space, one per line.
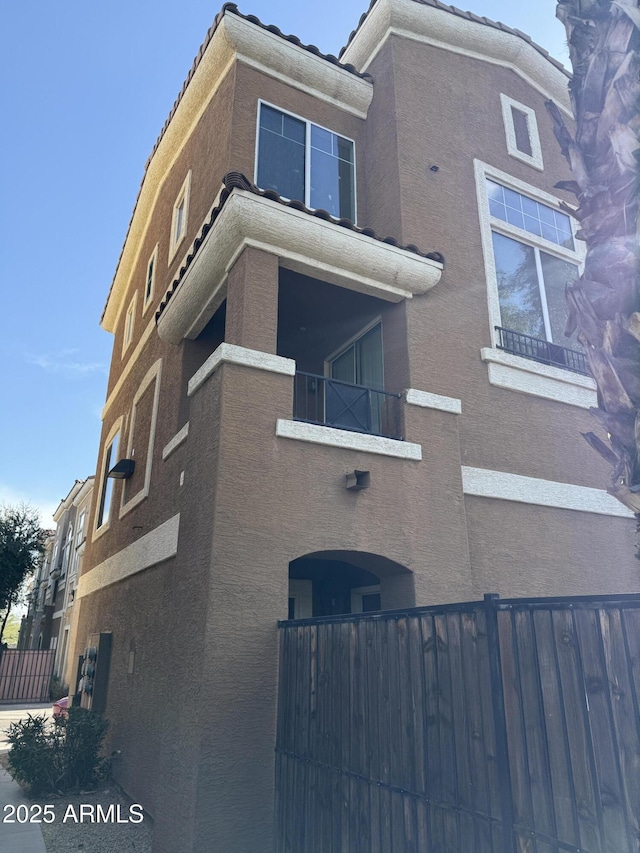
pixel 59 756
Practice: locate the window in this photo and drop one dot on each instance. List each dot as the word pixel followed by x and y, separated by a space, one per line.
pixel 531 276
pixel 521 129
pixel 106 490
pixel 300 160
pixel 359 363
pixel 78 543
pixel 129 321
pixel 150 282
pixel 179 218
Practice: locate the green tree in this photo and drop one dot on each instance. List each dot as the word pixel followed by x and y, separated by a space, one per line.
pixel 604 155
pixel 21 548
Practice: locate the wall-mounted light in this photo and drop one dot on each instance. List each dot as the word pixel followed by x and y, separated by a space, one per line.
pixel 358 480
pixel 122 470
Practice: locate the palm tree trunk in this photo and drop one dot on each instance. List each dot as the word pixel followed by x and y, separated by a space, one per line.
pixel 604 155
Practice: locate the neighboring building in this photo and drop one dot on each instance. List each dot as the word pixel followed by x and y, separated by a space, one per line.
pixel 47 625
pixel 308 415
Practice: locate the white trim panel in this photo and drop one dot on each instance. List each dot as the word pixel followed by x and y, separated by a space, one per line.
pixel 502 486
pixel 233 354
pixel 535 158
pixel 176 441
pixel 154 547
pixel 304 244
pixel 430 25
pixel 539 380
pixel 331 437
pixel 433 401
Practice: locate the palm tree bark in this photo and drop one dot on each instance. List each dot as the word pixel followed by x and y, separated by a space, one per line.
pixel 604 155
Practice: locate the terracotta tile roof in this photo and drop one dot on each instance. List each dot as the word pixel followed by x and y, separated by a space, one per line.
pixel 236 180
pixel 437 4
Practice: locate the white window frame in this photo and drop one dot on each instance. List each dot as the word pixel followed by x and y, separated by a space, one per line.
pixel 153 375
pixel 307 153
pixel 148 296
pixel 509 370
pixel 535 158
pixel 129 323
pixel 182 198
pixel 117 427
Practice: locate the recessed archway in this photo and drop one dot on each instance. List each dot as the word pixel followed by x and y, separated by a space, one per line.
pixel 329 583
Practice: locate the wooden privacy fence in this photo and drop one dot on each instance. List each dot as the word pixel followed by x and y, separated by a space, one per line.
pixel 25 676
pixel 487 727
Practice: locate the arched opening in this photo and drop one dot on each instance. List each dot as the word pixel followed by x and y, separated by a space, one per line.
pixel 331 583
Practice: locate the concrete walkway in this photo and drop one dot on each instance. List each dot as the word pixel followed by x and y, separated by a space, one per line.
pixel 16 837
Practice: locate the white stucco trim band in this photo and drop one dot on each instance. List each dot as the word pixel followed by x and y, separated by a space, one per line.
pixel 503 486
pixel 315 434
pixel 440 28
pixel 154 547
pixel 303 243
pixel 540 380
pixel 426 400
pixel 176 441
pixel 233 354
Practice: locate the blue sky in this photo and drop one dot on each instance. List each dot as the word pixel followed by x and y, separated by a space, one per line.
pixel 87 88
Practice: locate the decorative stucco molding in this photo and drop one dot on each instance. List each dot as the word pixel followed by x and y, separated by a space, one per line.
pixel 503 486
pixel 303 243
pixel 232 354
pixel 235 39
pixel 428 24
pixel 154 547
pixel 331 437
pixel 540 380
pixel 176 441
pixel 433 401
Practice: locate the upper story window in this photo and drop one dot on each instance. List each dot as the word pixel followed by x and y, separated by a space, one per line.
pixel 150 281
pixel 521 129
pixel 129 321
pixel 535 259
pixel 106 487
pixel 180 216
pixel 300 160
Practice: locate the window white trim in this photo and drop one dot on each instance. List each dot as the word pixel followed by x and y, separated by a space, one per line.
pixel 117 427
pixel 427 400
pixel 179 229
pixel 152 375
pixel 149 292
pixel 129 323
pixel 488 224
pixel 307 153
pixel 535 158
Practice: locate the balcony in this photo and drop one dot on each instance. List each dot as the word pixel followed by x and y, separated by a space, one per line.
pixel 342 405
pixel 541 351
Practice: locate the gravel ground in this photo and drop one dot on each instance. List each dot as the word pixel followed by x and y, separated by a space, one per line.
pixel 67 835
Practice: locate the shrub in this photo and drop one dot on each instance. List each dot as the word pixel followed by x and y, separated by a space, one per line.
pixel 58 756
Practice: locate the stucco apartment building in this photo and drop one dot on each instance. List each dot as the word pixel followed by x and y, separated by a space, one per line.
pixel 340 382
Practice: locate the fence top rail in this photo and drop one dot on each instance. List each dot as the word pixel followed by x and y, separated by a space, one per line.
pixel 580 602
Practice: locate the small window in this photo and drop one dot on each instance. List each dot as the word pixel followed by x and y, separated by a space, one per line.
pixel 150 281
pixel 300 160
pixel 521 129
pixel 106 492
pixel 129 321
pixel 179 219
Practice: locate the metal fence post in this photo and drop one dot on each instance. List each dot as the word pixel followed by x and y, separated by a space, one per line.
pixel 500 722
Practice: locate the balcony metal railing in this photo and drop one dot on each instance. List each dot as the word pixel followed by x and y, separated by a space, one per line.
pixel 329 402
pixel 542 351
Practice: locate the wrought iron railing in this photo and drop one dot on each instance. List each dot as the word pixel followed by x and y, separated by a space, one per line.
pixel 542 351
pixel 329 402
